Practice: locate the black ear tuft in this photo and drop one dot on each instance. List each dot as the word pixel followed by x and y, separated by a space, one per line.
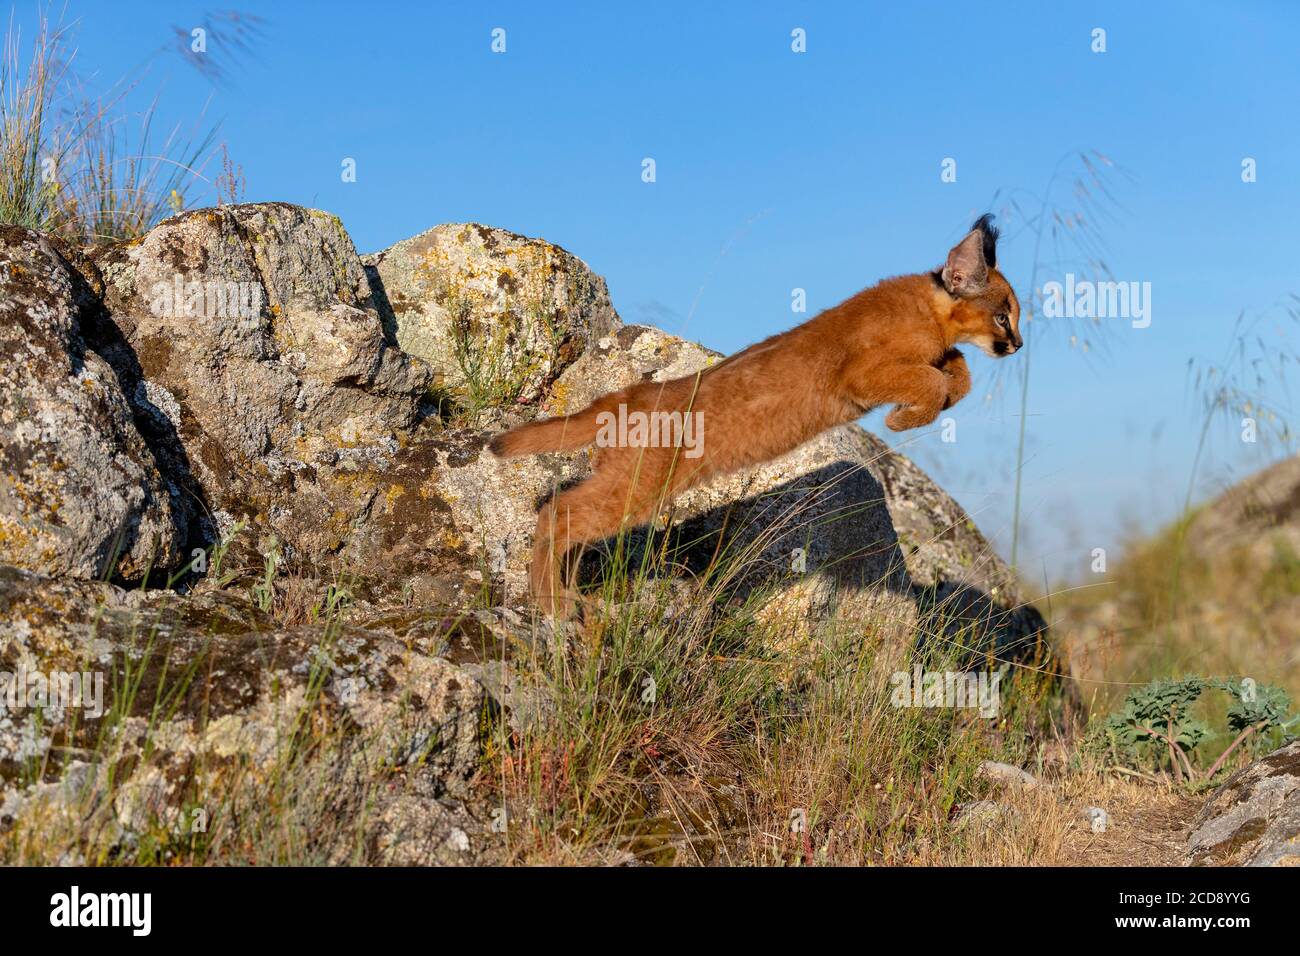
pixel 990 234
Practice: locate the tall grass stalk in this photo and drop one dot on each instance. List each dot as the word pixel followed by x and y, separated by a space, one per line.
pixel 32 147
pixel 1074 230
pixel 84 167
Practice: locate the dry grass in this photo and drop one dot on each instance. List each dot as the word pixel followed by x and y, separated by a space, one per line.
pixel 756 747
pixel 82 166
pixel 681 728
pixel 32 147
pixel 1149 822
pixel 1228 614
pixel 717 737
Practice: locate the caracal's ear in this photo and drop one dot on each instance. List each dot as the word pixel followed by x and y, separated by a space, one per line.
pixel 966 273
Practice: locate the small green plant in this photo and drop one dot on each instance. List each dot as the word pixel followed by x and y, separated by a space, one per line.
pixel 501 351
pixel 1156 724
pixel 218 556
pixel 494 365
pixel 264 590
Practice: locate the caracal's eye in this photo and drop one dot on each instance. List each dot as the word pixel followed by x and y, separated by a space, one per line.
pixel 1004 321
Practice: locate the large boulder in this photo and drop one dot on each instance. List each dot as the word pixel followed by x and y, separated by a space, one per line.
pixel 496 315
pixel 261 366
pixel 252 331
pixel 1254 818
pixel 80 490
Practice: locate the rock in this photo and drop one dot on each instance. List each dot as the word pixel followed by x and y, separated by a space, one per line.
pixel 252 330
pixel 984 816
pixel 1006 775
pixel 1098 819
pixel 527 705
pixel 493 313
pixel 626 356
pixel 236 686
pixel 1253 819
pixel 80 490
pixel 1260 512
pixel 417 830
pixel 260 365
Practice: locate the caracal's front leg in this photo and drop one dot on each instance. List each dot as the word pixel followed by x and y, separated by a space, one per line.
pixel 919 390
pixel 953 365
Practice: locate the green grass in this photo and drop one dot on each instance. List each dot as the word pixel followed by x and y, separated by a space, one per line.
pixel 81 168
pixel 691 729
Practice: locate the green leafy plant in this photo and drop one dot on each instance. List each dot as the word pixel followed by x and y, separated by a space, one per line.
pixel 263 592
pixel 1156 723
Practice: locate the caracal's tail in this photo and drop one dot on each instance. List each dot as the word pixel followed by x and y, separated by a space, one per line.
pixel 555 434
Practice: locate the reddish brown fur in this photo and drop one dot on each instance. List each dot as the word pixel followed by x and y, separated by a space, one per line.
pixel 894 343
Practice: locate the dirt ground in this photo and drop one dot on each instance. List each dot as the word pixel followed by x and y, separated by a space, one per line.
pixel 1148 826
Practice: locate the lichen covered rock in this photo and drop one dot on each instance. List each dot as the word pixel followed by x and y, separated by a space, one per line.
pixel 260 362
pixel 1254 818
pixel 631 354
pixel 492 312
pixel 253 330
pixel 80 490
pixel 211 680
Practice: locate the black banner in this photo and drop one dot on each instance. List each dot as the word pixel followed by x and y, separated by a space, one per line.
pixel 338 905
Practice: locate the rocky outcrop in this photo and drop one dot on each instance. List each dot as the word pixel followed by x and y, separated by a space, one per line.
pixel 80 491
pixel 392 673
pixel 1261 511
pixel 1254 818
pixel 253 352
pixel 243 368
pixel 490 311
pixel 209 685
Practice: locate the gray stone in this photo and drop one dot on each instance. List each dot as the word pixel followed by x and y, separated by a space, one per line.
pixel 489 309
pixel 1006 775
pixel 386 674
pixel 984 816
pixel 251 330
pixel 1253 819
pixel 80 490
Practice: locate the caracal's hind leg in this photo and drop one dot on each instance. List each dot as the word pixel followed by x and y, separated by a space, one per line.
pixel 587 512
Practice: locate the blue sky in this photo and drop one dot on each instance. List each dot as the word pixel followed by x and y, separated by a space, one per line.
pixel 821 171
